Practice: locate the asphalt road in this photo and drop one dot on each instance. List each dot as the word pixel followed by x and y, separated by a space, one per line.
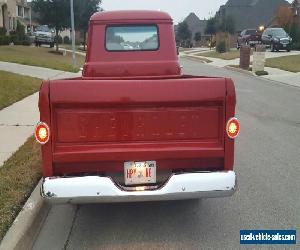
pixel 268 168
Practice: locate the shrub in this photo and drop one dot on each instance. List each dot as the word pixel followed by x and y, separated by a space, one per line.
pixel 221 47
pixel 27 41
pixel 67 40
pixel 20 30
pixel 2 31
pixel 4 40
pixel 296 46
pixel 13 38
pixel 17 37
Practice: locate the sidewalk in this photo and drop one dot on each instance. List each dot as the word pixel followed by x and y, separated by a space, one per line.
pixel 275 74
pixel 18 120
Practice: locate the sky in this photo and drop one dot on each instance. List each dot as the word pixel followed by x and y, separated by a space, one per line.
pixel 178 9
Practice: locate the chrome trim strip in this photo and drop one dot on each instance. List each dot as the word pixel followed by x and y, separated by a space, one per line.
pixel 95 189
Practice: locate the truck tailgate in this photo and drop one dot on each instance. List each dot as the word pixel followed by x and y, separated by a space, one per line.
pixel 99 124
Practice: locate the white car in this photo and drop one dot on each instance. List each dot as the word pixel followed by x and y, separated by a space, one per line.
pixel 44 35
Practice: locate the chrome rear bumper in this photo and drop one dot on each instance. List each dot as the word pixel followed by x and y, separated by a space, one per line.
pixel 95 189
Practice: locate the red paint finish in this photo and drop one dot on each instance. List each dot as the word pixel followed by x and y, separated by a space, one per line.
pixel 136 106
pixel 230 112
pixel 45 113
pixel 102 63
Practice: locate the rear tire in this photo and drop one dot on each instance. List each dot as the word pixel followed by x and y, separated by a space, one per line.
pixel 51 45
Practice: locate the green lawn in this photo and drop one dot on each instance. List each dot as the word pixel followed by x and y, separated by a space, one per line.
pixel 14 87
pixel 42 57
pixel 18 177
pixel 288 63
pixel 232 54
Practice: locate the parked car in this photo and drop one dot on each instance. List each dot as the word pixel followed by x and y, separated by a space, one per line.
pixel 277 39
pixel 44 35
pixel 133 127
pixel 248 37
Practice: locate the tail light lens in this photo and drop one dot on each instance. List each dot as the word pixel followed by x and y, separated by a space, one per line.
pixel 233 128
pixel 42 133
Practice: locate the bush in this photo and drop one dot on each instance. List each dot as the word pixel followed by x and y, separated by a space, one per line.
pixel 4 40
pixel 221 47
pixel 27 41
pixel 296 46
pixel 20 30
pixel 17 37
pixel 67 40
pixel 13 38
pixel 2 31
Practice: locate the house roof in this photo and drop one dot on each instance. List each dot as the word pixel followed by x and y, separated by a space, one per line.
pixel 195 24
pixel 251 13
pixel 125 15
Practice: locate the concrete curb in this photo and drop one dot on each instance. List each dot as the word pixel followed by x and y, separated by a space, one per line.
pixel 240 70
pixel 28 223
pixel 194 58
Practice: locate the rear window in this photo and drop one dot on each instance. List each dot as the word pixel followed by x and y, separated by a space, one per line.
pixel 250 32
pixel 132 38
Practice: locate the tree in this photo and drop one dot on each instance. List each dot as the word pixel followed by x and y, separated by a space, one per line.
pixel 83 11
pixel 197 37
pixel 227 25
pixel 54 13
pixel 284 16
pixel 211 28
pixel 183 35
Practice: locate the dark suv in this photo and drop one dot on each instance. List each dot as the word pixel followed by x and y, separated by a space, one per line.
pixel 248 37
pixel 277 39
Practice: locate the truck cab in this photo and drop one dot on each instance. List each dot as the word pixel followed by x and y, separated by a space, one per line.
pixel 133 127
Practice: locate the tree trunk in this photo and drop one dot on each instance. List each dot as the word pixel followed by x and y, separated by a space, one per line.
pixel 56 39
pixel 84 40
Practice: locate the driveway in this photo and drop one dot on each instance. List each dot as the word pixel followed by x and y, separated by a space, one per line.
pixel 267 164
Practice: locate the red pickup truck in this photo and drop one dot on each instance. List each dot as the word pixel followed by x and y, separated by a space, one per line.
pixel 133 127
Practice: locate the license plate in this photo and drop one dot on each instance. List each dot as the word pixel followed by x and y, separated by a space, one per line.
pixel 284 45
pixel 136 173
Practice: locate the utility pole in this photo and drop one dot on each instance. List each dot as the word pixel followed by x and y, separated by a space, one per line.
pixel 73 34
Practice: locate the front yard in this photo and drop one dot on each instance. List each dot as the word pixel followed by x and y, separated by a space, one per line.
pixel 19 176
pixel 288 63
pixel 14 87
pixel 42 57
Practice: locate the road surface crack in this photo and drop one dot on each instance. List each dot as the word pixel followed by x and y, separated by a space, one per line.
pixel 71 228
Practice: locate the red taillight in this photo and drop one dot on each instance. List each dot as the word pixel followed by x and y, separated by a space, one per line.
pixel 42 133
pixel 233 128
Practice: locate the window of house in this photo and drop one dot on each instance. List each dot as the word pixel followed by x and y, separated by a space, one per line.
pixel 20 11
pixel 26 12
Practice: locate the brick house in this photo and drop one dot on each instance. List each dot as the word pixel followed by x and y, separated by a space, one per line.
pixel 296 12
pixel 12 11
